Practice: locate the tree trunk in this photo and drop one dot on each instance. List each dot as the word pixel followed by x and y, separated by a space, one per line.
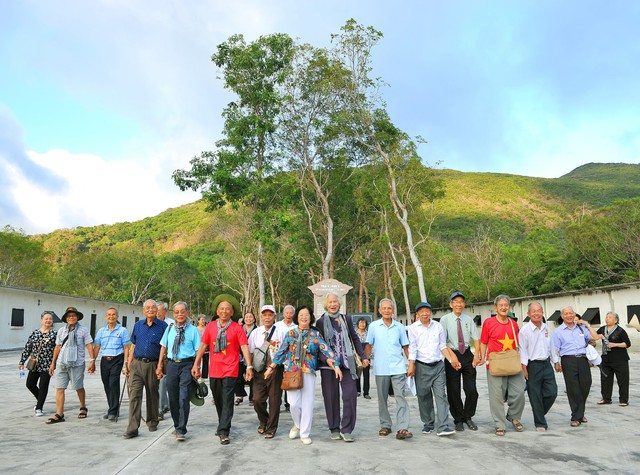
pixel 260 272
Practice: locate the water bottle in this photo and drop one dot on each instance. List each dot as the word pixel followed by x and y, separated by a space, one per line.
pixel 22 373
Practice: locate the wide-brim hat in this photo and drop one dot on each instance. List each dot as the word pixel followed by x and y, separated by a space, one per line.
pixel 71 310
pixel 237 313
pixel 197 392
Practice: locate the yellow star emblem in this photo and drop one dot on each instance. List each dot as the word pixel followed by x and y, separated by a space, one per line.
pixel 507 343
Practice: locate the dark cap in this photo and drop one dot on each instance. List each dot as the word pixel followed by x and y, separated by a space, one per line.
pixel 422 305
pixel 71 310
pixel 457 294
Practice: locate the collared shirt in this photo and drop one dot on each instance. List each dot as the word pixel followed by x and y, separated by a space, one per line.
pixel 536 344
pixel 83 338
pixel 426 342
pixel 283 326
pixel 259 335
pixel 187 348
pixel 225 363
pixel 112 342
pixel 388 343
pixel 168 320
pixel 570 341
pixel 147 338
pixel 470 330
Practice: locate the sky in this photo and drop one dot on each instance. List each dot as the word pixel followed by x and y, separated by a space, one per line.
pixel 101 101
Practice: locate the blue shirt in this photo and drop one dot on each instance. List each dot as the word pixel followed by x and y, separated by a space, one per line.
pixel 112 342
pixel 570 341
pixel 147 338
pixel 387 343
pixel 187 348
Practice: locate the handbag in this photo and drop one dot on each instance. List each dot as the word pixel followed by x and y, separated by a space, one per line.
pixel 33 362
pixel 505 363
pixel 293 379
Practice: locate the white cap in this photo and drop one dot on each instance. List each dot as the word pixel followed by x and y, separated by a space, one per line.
pixel 266 308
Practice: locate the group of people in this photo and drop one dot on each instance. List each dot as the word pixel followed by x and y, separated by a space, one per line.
pixel 164 356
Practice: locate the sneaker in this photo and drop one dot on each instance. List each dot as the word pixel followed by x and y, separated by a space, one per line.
pixel 106 416
pixel 427 430
pixel 39 413
pixel 306 440
pixel 335 436
pixel 446 431
pixel 180 437
pixel 294 433
pixel 346 437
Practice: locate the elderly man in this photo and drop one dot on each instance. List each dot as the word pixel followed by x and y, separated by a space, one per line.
pixel 114 341
pixel 286 325
pixel 71 342
pixel 500 333
pixel 570 341
pixel 460 330
pixel 391 345
pixel 267 394
pixel 141 369
pixel 537 355
pixel 427 351
pixel 226 340
pixel 163 310
pixel 179 343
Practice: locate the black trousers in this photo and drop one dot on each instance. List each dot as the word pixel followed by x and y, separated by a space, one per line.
pixel 178 381
pixel 621 371
pixel 39 392
pixel 459 411
pixel 240 383
pixel 110 373
pixel 365 379
pixel 577 379
pixel 222 390
pixel 542 389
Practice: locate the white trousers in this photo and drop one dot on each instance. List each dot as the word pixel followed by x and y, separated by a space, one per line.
pixel 301 404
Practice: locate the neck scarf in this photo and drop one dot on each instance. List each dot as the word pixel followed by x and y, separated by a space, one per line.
pixel 330 336
pixel 605 348
pixel 221 339
pixel 179 339
pixel 70 352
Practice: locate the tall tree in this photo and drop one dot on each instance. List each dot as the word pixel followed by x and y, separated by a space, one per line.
pixel 237 171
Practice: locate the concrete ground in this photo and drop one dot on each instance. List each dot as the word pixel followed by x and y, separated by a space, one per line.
pixel 609 443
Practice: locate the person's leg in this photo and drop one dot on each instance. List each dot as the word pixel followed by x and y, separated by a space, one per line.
pixel 382 389
pixel 153 396
pixel 496 389
pixel 438 387
pixel 224 425
pixel 308 393
pixel 358 387
pixel 535 388
pixel 216 392
pixel 163 402
pixel 295 401
pixel 32 384
pixel 570 375
pixel 172 382
pixel 184 403
pixel 240 381
pixel 402 407
pixel 606 381
pixel 43 389
pixel 515 396
pixel 113 396
pixel 366 374
pixel 469 387
pixel 260 396
pixel 76 373
pixel 423 394
pixel 136 386
pixel 584 381
pixel 331 397
pixel 105 375
pixel 549 387
pixel 454 391
pixel 349 402
pixel 622 376
pixel 275 399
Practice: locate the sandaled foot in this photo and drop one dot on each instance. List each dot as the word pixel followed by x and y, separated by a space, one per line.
pixel 575 423
pixel 501 432
pixel 517 425
pixel 584 420
pixel 623 404
pixel 603 401
pixel 403 434
pixel 224 439
pixel 55 419
pixel 238 401
pixel 260 430
pixel 269 435
pixel 384 431
pixel 83 413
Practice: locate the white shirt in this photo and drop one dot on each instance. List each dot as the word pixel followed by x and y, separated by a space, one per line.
pixel 426 342
pixel 283 326
pixel 259 335
pixel 536 344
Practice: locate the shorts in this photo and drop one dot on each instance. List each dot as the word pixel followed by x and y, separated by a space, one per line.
pixel 66 374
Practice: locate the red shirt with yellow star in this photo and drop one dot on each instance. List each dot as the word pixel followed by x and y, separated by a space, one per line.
pixel 225 363
pixel 499 336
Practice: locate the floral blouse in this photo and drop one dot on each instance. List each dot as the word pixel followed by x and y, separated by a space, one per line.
pixel 287 352
pixel 46 351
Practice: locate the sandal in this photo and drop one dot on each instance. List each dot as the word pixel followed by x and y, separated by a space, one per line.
pixel 403 434
pixel 260 430
pixel 238 401
pixel 501 432
pixel 602 402
pixel 83 413
pixel 224 439
pixel 269 435
pixel 623 404
pixel 384 431
pixel 575 423
pixel 584 420
pixel 517 425
pixel 55 419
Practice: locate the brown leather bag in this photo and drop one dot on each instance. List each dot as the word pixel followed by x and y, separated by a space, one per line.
pixel 292 380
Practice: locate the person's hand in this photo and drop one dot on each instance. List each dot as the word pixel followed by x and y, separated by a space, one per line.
pixel 526 373
pixel 268 372
pixel 52 368
pixel 195 371
pixel 20 367
pixel 92 367
pixel 338 371
pixel 455 364
pixel 159 372
pixel 558 368
pixel 411 370
pixel 249 374
pixel 365 363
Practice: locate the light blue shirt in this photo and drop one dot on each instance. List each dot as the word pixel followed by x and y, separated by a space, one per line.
pixel 388 343
pixel 470 330
pixel 570 341
pixel 187 348
pixel 112 342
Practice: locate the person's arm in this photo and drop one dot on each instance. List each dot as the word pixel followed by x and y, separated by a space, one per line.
pixel 163 352
pixel 195 369
pixel 247 359
pixel 483 353
pixel 56 352
pixel 129 360
pixel 592 332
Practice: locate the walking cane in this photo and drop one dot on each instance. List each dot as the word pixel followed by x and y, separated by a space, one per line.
pixel 121 396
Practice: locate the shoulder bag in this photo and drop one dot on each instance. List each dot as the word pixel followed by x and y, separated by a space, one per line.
pixel 506 363
pixel 293 379
pixel 260 357
pixel 33 362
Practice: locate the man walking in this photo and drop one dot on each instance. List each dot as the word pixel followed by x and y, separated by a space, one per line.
pixel 163 310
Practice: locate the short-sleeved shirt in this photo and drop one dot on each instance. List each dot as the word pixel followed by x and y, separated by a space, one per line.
pixel 570 341
pixel 112 342
pixel 499 336
pixel 535 344
pixel 259 335
pixel 83 338
pixel 147 338
pixel 426 342
pixel 187 348
pixel 470 330
pixel 388 343
pixel 225 363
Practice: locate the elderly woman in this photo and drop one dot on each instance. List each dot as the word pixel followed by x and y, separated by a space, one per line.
pixel 615 358
pixel 338 331
pixel 299 352
pixel 40 345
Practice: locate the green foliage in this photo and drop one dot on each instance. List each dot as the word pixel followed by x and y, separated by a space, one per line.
pixel 21 259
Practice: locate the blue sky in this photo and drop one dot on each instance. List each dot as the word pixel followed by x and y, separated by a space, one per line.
pixel 100 101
